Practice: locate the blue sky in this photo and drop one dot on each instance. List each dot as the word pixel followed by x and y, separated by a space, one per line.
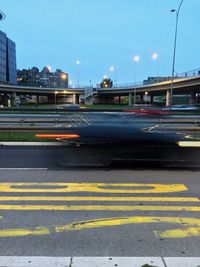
pixel 103 33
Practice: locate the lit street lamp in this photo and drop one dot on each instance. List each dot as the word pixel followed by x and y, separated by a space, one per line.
pixel 136 59
pixel 64 78
pixel 174 53
pixel 56 92
pixel 145 98
pixel 78 63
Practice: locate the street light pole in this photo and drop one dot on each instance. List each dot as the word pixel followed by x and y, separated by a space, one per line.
pixel 136 59
pixel 55 99
pixel 112 69
pixel 78 63
pixel 174 53
pixel 155 58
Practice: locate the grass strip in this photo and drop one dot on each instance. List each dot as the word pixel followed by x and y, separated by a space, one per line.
pixel 22 137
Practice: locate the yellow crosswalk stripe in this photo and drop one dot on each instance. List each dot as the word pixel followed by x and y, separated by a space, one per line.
pixel 100 208
pixel 106 199
pixel 91 187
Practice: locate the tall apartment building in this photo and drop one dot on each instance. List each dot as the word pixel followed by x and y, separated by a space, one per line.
pixel 45 78
pixel 8 70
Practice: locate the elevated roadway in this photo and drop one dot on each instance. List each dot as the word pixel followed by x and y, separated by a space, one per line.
pixel 189 86
pixel 182 85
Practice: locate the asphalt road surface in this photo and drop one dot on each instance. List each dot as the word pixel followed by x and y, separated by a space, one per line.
pixel 106 155
pixel 96 212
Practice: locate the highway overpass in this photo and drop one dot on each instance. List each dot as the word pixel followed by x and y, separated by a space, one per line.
pixel 11 91
pixel 182 86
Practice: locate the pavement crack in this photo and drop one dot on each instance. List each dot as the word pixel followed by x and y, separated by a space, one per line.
pixel 71 262
pixel 163 260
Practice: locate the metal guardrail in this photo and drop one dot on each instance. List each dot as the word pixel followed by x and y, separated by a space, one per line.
pixel 80 121
pixel 189 74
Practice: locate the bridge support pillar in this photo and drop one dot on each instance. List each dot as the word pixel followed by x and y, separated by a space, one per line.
pixel 4 100
pixel 130 99
pixel 192 98
pixel 141 98
pixel 13 99
pixel 168 99
pixel 119 101
pixel 151 99
pixel 37 99
pixel 51 99
pixel 75 98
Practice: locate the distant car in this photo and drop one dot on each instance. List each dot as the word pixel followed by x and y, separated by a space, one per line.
pixel 181 107
pixel 70 106
pixel 144 111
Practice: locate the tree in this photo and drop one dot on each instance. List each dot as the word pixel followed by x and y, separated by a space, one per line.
pixel 106 83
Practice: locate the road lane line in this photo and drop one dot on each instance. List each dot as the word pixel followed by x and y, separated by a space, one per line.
pixel 19 143
pixel 190 227
pixel 189 143
pixel 99 208
pixel 92 187
pixel 24 169
pixel 99 199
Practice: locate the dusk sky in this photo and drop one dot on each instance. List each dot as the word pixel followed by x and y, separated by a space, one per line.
pixel 103 33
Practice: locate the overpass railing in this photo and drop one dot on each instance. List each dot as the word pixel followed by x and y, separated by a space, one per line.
pixel 188 74
pixel 154 80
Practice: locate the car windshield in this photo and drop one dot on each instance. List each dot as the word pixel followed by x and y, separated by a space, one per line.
pixel 99 133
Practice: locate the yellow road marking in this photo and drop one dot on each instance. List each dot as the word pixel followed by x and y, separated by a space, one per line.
pixel 110 222
pixel 191 226
pixel 24 232
pixel 188 231
pixel 179 233
pixel 119 199
pixel 189 143
pixel 100 207
pixel 91 187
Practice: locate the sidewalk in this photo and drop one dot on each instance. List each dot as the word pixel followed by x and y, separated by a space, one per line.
pixel 99 261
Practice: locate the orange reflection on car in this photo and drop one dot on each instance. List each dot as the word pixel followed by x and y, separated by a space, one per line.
pixel 69 136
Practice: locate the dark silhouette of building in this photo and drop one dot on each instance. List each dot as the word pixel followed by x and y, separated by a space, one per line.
pixel 151 80
pixel 45 78
pixel 8 71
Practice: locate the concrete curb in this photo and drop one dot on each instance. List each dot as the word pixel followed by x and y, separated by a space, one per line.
pixel 30 144
pixel 99 261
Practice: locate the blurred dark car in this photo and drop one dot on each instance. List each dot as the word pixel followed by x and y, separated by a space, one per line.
pixel 181 107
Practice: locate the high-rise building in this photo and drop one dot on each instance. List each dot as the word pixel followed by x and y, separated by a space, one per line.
pixel 3 57
pixel 11 62
pixel 8 71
